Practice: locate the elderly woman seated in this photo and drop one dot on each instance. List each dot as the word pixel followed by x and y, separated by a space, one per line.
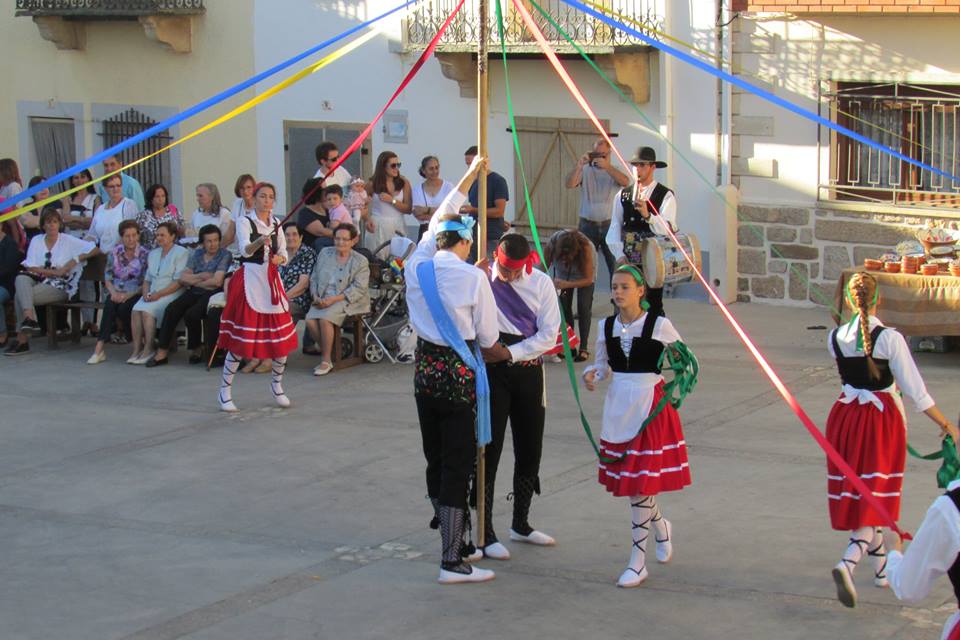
pixel 123 278
pixel 161 286
pixel 52 270
pixel 338 286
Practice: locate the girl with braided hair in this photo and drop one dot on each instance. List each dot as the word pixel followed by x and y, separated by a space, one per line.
pixel 867 427
pixel 642 445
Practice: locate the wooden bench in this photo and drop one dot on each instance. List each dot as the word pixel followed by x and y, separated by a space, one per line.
pixel 92 272
pixel 339 362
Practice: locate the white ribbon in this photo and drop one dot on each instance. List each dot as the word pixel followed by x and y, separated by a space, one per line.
pixel 863 396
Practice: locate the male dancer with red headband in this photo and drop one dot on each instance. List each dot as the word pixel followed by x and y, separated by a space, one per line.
pixel 528 315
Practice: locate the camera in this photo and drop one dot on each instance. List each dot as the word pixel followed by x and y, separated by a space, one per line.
pixel 593 155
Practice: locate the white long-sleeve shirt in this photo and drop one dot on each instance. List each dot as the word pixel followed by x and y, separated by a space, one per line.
pixel 537 291
pixel 931 554
pixel 890 346
pixel 464 289
pixel 668 213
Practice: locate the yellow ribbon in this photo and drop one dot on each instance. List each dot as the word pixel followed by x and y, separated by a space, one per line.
pixel 266 95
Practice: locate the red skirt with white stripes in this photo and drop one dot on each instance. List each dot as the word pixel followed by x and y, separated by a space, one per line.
pixel 251 334
pixel 874 444
pixel 654 460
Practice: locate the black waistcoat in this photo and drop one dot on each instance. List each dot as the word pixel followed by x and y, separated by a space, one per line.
pixel 853 370
pixel 644 351
pixel 632 220
pixel 257 256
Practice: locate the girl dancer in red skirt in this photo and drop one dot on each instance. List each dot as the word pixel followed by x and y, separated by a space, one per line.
pixel 650 459
pixel 256 322
pixel 866 426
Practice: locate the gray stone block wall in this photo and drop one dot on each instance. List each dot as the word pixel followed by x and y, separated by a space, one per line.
pixel 796 254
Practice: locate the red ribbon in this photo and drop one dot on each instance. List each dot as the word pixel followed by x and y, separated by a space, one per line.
pixel 532 260
pixel 832 454
pixel 366 132
pixel 276 284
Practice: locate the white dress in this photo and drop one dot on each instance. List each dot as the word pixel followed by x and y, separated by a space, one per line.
pixel 388 221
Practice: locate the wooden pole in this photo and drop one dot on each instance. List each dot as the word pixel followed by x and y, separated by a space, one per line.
pixel 482 105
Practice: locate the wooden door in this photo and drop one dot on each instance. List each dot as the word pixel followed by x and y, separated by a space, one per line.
pixel 550 149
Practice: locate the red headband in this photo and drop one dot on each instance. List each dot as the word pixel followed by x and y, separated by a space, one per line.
pixel 532 259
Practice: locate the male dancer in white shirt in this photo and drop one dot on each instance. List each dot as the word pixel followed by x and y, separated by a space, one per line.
pixel 444 384
pixel 528 316
pixel 642 210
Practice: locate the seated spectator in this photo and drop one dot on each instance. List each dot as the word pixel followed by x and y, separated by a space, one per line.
pixel 77 216
pixel 31 219
pixel 570 255
pixel 11 184
pixel 161 286
pixel 158 210
pixel 123 279
pixel 130 185
pixel 202 278
pixel 339 288
pixel 104 230
pixel 336 210
pixel 210 210
pixel 295 275
pixel 53 265
pixel 312 219
pixel 10 258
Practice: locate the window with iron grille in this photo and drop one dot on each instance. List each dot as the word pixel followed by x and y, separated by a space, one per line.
pixel 127 124
pixel 919 121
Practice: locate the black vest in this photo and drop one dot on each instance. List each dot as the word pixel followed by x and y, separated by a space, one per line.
pixel 257 256
pixel 632 220
pixel 954 571
pixel 644 351
pixel 853 370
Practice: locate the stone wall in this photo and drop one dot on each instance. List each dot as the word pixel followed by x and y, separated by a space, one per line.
pixel 794 255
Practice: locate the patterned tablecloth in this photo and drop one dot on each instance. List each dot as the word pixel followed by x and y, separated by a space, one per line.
pixel 916 305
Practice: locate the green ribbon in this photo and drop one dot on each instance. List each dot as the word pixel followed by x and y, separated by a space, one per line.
pixel 950 468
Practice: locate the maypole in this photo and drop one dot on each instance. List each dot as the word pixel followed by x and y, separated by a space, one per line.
pixel 481 241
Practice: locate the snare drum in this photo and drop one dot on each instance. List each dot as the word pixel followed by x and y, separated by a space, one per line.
pixel 663 263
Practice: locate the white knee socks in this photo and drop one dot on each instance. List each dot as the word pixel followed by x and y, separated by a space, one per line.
pixel 276 383
pixel 642 509
pixel 230 366
pixel 859 544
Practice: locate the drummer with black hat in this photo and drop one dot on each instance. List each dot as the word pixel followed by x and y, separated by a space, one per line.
pixel 642 210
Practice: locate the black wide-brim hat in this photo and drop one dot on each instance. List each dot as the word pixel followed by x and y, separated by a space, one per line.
pixel 647 154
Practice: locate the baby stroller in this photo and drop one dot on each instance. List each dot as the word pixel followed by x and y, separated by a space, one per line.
pixel 388 330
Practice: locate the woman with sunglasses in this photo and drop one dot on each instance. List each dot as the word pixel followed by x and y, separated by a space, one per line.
pixel 390 199
pixel 52 270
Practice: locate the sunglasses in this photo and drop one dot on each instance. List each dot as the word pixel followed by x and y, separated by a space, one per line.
pixel 48 260
pixel 333 159
pixel 394 165
pixel 642 164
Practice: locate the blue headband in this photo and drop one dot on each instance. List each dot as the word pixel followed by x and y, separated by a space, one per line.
pixel 463 227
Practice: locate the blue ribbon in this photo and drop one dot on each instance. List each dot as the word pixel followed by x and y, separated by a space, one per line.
pixel 189 113
pixel 427 274
pixel 743 84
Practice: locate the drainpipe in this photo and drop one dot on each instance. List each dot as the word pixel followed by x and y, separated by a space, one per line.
pixel 668 101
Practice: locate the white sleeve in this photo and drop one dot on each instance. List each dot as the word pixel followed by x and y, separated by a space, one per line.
pixel 665 332
pixel 668 213
pixel 485 313
pixel 931 554
pixel 599 355
pixel 419 197
pixel 282 244
pixel 830 343
pixel 129 209
pixel 548 325
pixel 905 370
pixel 34 257
pixel 614 232
pixel 243 235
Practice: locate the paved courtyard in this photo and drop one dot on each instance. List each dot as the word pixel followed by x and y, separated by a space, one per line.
pixel 131 508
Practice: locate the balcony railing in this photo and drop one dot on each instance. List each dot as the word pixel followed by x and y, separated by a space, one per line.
pixel 89 9
pixel 464 31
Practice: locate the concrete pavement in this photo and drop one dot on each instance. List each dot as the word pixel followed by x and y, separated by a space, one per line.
pixel 131 508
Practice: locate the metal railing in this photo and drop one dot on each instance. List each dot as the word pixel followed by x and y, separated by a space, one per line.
pixel 464 31
pixel 125 125
pixel 107 8
pixel 919 121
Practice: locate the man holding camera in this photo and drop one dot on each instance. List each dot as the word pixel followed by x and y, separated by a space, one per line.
pixel 599 184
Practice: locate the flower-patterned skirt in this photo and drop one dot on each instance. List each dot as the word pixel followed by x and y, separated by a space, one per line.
pixel 441 374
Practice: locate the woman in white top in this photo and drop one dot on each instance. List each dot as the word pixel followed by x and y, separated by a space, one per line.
pixel 390 199
pixel 430 193
pixel 242 206
pixel 104 230
pixel 52 269
pixel 210 210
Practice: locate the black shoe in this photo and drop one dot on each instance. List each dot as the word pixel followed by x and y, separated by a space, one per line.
pixel 17 349
pixel 156 362
pixel 29 325
pixel 195 359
